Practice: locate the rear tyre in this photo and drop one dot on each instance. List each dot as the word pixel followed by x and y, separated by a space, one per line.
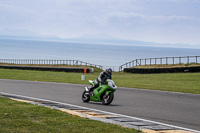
pixel 85 96
pixel 107 99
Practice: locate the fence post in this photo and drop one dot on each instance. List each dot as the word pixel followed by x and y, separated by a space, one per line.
pixel 188 60
pixel 150 61
pixel 161 61
pixel 166 60
pixel 196 60
pixel 173 60
pixel 179 60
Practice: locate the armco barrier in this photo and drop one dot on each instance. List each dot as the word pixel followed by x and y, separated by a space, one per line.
pixel 62 69
pixel 162 70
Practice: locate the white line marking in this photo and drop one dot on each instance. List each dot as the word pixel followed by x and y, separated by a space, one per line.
pixel 187 129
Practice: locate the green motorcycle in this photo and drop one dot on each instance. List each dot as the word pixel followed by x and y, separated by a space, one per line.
pixel 104 93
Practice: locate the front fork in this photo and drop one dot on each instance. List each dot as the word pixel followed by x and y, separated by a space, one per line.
pixel 86 89
pixel 106 94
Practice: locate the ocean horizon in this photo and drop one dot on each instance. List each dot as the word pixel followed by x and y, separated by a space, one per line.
pixel 99 54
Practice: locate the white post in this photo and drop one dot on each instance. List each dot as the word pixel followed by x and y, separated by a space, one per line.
pixel 82 77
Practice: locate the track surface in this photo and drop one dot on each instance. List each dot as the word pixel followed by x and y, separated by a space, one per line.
pixel 177 109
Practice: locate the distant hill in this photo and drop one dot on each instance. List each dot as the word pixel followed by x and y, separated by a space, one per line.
pixel 106 39
pixel 87 38
pixel 24 35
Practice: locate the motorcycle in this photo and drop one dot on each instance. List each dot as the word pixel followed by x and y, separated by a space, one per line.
pixel 104 93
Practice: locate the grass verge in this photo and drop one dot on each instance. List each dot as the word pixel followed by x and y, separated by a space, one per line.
pixel 176 82
pixel 23 117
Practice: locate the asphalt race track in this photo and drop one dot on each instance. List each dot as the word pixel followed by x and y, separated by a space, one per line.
pixel 177 109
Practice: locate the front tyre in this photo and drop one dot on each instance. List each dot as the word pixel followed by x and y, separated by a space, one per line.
pixel 107 99
pixel 85 96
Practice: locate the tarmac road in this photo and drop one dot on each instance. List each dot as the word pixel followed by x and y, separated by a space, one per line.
pixel 177 109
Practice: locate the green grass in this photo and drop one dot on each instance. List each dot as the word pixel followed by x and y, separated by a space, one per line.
pixel 176 82
pixel 19 117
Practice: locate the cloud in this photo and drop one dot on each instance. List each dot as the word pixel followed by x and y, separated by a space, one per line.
pixel 131 18
pixel 122 18
pixel 160 28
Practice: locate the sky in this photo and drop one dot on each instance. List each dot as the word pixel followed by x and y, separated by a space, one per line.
pixel 161 21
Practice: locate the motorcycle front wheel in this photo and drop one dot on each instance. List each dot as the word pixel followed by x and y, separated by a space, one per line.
pixel 107 99
pixel 85 97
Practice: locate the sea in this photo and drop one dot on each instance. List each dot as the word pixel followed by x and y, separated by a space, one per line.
pixel 99 54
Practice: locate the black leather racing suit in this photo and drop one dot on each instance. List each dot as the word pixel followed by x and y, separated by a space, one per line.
pixel 101 79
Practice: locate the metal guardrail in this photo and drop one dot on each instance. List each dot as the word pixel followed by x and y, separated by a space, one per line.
pixel 136 62
pixel 48 62
pixel 161 61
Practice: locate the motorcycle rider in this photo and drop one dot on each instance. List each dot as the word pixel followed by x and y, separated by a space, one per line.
pixel 102 78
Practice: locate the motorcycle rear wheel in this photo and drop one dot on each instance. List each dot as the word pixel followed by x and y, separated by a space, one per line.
pixel 85 97
pixel 107 99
